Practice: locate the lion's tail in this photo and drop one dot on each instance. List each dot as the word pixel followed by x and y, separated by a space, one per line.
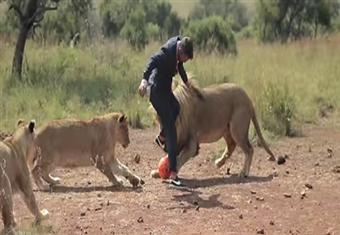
pixel 259 133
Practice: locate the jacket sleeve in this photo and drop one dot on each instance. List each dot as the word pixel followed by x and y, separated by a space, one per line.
pixel 182 72
pixel 154 62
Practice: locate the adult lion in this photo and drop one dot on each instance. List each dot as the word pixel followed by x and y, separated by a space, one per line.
pixel 75 143
pixel 209 114
pixel 15 176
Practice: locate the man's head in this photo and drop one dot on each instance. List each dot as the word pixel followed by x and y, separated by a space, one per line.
pixel 185 49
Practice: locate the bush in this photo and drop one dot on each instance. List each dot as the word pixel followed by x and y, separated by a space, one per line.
pixel 233 11
pixel 277 109
pixel 134 30
pixel 139 20
pixel 212 34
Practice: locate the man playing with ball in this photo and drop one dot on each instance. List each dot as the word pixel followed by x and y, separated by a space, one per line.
pixel 158 75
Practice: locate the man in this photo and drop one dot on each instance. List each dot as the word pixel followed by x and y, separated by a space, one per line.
pixel 158 74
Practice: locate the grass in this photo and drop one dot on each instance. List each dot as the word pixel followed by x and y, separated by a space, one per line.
pixel 289 84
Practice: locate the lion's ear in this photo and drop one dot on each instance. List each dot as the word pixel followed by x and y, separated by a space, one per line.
pixel 20 122
pixel 31 126
pixel 122 118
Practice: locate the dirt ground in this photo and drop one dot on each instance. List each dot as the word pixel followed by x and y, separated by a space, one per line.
pixel 301 196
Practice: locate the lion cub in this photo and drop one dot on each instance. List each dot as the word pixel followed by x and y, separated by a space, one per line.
pixel 77 143
pixel 15 176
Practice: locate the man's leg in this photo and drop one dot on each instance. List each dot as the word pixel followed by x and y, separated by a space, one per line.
pixel 163 104
pixel 160 139
pixel 171 142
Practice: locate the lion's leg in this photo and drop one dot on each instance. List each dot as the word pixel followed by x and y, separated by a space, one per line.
pixel 248 152
pixel 106 170
pixel 188 151
pixel 25 186
pixel 121 169
pixel 231 145
pixel 239 127
pixel 41 170
pixel 36 173
pixel 45 174
pixel 6 203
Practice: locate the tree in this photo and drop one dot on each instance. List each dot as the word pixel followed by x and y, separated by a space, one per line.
pixel 30 14
pixel 72 20
pixel 212 34
pixel 293 19
pixel 233 11
pixel 134 30
pixel 126 18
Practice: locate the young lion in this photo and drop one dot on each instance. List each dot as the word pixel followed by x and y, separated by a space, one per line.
pixel 76 143
pixel 15 176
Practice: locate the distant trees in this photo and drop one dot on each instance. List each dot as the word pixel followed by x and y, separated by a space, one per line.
pixel 285 20
pixel 30 13
pixel 214 24
pixel 135 29
pixel 213 34
pixel 71 20
pixel 138 21
pixel 232 11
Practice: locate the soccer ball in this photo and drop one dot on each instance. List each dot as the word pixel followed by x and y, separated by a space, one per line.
pixel 163 167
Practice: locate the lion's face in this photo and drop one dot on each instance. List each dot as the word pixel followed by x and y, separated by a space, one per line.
pixel 123 131
pixel 25 135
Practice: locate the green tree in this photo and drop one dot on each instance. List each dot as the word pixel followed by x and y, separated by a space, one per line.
pixel 70 20
pixel 30 13
pixel 231 10
pixel 134 30
pixel 113 15
pixel 293 19
pixel 212 34
pixel 119 18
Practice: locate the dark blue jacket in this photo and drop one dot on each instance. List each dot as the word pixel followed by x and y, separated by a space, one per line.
pixel 167 65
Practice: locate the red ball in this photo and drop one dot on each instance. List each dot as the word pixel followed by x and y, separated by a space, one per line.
pixel 163 167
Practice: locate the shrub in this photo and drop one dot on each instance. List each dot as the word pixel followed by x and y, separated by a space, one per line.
pixel 212 34
pixel 277 109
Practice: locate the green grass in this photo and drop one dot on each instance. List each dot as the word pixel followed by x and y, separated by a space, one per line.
pixel 286 82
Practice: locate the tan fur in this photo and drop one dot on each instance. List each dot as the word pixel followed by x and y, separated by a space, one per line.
pixel 212 113
pixel 14 174
pixel 75 143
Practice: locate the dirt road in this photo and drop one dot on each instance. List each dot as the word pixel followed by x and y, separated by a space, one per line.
pixel 301 196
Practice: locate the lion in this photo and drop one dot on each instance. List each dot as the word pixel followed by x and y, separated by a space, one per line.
pixel 206 115
pixel 76 143
pixel 15 175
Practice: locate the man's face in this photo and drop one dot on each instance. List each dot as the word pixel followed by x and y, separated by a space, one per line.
pixel 183 57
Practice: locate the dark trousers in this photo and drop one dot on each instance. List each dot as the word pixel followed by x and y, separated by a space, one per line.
pixel 167 108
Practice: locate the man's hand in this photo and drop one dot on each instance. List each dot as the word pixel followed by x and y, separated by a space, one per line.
pixel 142 87
pixel 188 84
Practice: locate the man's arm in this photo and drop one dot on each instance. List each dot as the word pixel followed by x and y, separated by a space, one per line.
pixel 182 73
pixel 154 62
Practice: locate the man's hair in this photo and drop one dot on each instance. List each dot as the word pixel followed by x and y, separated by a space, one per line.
pixel 187 45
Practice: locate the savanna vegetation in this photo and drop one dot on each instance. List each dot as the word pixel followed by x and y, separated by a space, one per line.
pixel 83 58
